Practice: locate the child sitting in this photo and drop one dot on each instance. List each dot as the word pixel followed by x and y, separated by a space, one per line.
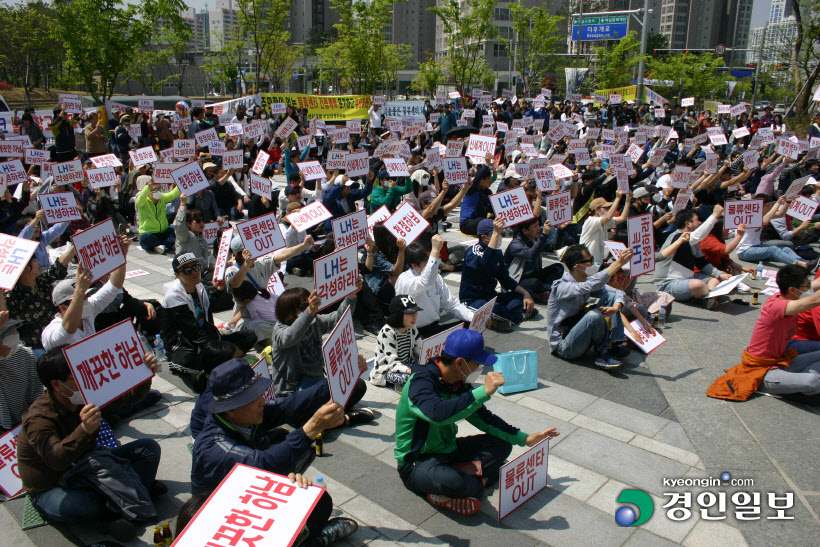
pixel 257 307
pixel 399 344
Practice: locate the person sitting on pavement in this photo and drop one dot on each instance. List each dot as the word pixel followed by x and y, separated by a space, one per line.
pixel 60 431
pixel 423 282
pixel 388 192
pixel 483 268
pixel 32 231
pixel 189 226
pixel 189 319
pixel 155 234
pixel 235 433
pixel 452 472
pixel 602 219
pixel 18 368
pixel 342 197
pixel 767 365
pixel 807 337
pixel 680 254
pixel 297 361
pixel 398 344
pixel 476 205
pixel 524 259
pixel 572 327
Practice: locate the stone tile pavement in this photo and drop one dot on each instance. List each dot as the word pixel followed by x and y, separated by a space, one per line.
pixel 629 429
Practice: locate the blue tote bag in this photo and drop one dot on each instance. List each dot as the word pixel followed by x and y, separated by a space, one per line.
pixel 520 370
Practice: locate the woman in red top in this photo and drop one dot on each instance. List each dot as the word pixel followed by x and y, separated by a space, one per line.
pixel 807 338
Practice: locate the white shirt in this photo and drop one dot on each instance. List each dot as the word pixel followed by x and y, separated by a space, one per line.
pixel 431 294
pixel 55 335
pixel 593 235
pixel 664 181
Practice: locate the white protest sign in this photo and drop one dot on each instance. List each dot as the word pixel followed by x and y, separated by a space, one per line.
pixel 261 366
pixel 635 152
pixel 146 105
pixel 750 159
pixel 262 162
pixel 724 108
pixel 184 149
pixel 11 149
pixel 280 509
pixel 748 212
pixel 350 229
pixel 479 146
pixel 233 130
pixel 512 206
pixel 308 216
pixel 232 159
pixel 406 223
pixel 260 186
pixel 33 156
pixel 725 287
pixel 454 149
pixel 286 128
pixel 275 284
pixel 341 356
pixel 788 148
pixel 641 234
pixel 433 159
pixel 162 173
pixel 108 364
pixel 482 315
pixel 681 201
pixel 15 254
pixel 302 142
pixel 190 178
pixel 204 138
pixel 72 105
pixel 740 132
pixel 681 177
pixel 379 215
pixel 396 167
pixel 797 186
pixel 98 249
pixel 261 235
pixel 688 101
pixel 335 275
pixel 646 342
pixel 255 129
pixel 60 207
pixel 716 136
pixel 222 254
pixel 10 481
pixel 209 232
pixel 522 478
pixel 622 179
pixel 69 172
pixel 802 208
pixel 737 109
pixel 544 178
pixel 336 159
pixel 559 208
pixel 142 156
pixel 106 160
pixel 216 148
pixel 312 170
pixel 434 346
pixel 354 126
pixel 357 164
pixel 455 171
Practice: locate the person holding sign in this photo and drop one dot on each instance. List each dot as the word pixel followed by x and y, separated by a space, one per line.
pixel 602 219
pixel 155 234
pixel 423 282
pixel 483 269
pixel 33 231
pixel 767 365
pixel 476 205
pixel 573 327
pixel 388 192
pixel 342 197
pixel 189 226
pixel 523 258
pixel 398 344
pixel 452 472
pixel 60 430
pixel 235 432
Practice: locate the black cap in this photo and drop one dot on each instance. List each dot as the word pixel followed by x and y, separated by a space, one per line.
pixel 404 304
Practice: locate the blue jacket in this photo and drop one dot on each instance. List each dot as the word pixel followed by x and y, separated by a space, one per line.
pixel 333 200
pixel 482 270
pixel 476 204
pixel 219 445
pixel 289 167
pixel 447 121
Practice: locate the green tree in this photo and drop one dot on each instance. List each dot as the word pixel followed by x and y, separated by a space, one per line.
pixel 361 54
pixel 102 37
pixel 468 32
pixel 261 27
pixel 220 66
pixel 28 48
pixel 656 41
pixel 616 62
pixel 429 75
pixel 805 51
pixel 538 36
pixel 698 74
pixel 162 61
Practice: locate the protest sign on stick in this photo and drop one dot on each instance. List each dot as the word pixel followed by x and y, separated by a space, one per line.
pixel 261 235
pixel 335 276
pixel 98 249
pixel 59 207
pixel 341 359
pixel 350 229
pixel 406 223
pixel 512 206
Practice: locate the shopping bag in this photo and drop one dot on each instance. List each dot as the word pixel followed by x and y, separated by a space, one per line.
pixel 520 370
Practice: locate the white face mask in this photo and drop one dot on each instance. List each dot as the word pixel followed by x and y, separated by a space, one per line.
pixel 157 194
pixel 592 269
pixel 470 378
pixel 88 311
pixel 807 293
pixel 76 398
pixel 12 342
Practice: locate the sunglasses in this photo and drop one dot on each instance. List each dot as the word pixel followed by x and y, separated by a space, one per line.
pixel 191 269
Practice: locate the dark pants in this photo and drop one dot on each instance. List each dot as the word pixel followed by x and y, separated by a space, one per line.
pixel 308 383
pixel 434 328
pixel 469 226
pixel 189 357
pixel 540 281
pixel 135 310
pixel 148 240
pixel 433 474
pixel 317 519
pixel 509 305
pixel 84 505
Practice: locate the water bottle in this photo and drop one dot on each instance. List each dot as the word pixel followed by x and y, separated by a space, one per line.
pixel 759 271
pixel 159 349
pixel 320 481
pixel 663 316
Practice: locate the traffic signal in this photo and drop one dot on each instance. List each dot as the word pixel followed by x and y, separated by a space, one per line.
pixel 751 65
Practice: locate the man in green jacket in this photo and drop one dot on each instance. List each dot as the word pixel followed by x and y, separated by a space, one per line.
pixel 388 192
pixel 453 471
pixel 155 234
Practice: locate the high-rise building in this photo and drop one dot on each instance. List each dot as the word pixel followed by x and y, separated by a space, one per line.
pixel 413 24
pixel 780 33
pixel 222 21
pixel 309 18
pixel 703 24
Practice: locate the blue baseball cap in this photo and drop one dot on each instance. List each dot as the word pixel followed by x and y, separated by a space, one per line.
pixel 469 344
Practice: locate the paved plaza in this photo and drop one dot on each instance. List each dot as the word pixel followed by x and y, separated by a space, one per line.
pixel 629 429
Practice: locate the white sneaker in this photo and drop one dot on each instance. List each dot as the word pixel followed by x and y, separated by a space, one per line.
pixel 744 288
pixel 159 249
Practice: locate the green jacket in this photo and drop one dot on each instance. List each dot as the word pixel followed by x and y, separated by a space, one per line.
pixel 429 408
pixel 152 215
pixel 391 197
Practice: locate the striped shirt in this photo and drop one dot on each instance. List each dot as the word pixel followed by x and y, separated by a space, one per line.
pixel 20 386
